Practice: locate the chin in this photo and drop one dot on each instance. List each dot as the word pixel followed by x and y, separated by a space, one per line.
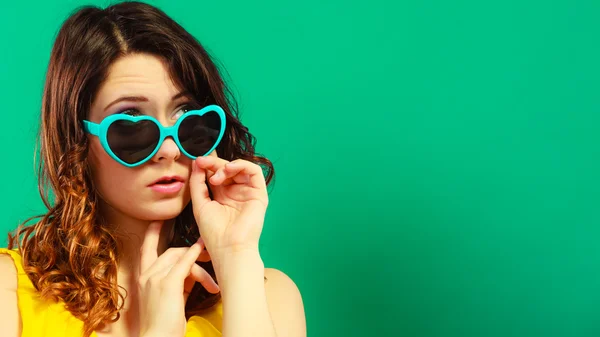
pixel 164 209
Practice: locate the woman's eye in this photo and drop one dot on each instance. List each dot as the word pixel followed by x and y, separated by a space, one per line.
pixel 131 112
pixel 182 110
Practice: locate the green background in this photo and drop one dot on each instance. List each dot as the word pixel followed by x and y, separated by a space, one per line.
pixel 437 161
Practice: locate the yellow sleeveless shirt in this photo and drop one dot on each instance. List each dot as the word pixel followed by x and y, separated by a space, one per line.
pixel 50 319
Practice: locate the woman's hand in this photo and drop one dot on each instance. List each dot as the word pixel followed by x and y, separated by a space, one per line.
pixel 232 221
pixel 165 283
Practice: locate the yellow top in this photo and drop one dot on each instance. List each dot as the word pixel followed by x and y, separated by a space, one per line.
pixel 51 319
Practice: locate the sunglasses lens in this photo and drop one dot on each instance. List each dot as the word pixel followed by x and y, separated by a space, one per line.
pixel 132 141
pixel 198 134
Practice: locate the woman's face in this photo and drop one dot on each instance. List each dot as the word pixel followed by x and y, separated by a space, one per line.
pixel 140 84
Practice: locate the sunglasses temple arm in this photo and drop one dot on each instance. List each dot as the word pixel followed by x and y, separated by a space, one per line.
pixel 91 127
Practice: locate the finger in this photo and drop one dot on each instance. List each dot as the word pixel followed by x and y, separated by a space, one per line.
pixel 230 174
pixel 149 249
pixel 250 173
pixel 183 267
pixel 211 163
pixel 198 185
pixel 204 255
pixel 201 276
pixel 163 268
pixel 166 261
pixel 244 193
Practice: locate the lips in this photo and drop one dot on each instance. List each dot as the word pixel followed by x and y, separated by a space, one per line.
pixel 167 180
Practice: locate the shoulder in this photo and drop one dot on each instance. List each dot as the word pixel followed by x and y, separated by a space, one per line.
pixel 8 272
pixel 280 288
pixel 10 319
pixel 277 279
pixel 285 303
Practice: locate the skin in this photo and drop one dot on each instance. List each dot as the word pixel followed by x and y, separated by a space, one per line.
pixel 158 279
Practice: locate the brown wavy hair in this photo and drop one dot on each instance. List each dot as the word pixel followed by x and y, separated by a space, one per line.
pixel 69 253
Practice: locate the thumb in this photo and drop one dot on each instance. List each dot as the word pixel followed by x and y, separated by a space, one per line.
pixel 198 186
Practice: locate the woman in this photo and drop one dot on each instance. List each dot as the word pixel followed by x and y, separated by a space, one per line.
pixel 145 169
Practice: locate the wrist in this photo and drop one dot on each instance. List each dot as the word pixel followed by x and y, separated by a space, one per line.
pixel 242 265
pixel 233 255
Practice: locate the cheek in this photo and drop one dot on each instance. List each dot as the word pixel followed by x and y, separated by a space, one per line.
pixel 108 175
pixel 118 185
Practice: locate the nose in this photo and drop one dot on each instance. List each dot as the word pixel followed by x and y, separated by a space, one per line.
pixel 168 151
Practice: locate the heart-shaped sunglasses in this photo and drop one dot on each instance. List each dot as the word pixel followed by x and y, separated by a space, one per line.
pixel 133 140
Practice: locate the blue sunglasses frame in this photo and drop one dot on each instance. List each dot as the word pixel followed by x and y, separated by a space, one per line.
pixel 101 130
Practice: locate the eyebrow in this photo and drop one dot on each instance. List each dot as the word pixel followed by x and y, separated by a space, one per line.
pixel 141 99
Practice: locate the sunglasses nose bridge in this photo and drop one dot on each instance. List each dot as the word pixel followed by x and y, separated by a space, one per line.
pixel 170 131
pixel 168 145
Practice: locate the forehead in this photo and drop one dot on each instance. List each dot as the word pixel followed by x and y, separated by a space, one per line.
pixel 136 75
pixel 131 71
